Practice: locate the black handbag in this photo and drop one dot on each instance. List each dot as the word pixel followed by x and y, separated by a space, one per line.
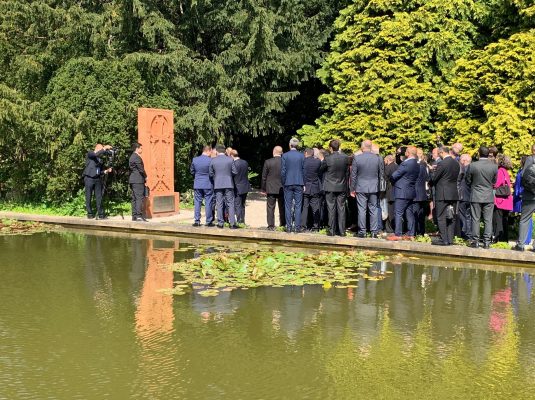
pixel 382 178
pixel 503 191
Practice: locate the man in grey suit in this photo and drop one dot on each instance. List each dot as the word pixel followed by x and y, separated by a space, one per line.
pixel 481 177
pixel 222 171
pixel 366 171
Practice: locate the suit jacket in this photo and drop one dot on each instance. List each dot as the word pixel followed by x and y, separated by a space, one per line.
pixel 93 164
pixel 481 177
pixel 292 168
pixel 420 186
pixel 335 173
pixel 311 168
pixel 241 179
pixel 404 179
pixel 462 186
pixel 366 170
pixel 137 169
pixel 222 170
pixel 389 170
pixel 528 194
pixel 271 176
pixel 200 169
pixel 445 180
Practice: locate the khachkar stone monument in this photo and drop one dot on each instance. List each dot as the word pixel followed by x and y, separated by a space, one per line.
pixel 156 135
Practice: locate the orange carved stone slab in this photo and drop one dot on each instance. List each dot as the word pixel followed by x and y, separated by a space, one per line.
pixel 156 134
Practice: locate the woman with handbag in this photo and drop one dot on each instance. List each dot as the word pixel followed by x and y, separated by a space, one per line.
pixel 503 200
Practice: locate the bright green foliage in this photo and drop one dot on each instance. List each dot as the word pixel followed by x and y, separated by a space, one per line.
pixel 388 64
pixel 491 99
pixel 74 72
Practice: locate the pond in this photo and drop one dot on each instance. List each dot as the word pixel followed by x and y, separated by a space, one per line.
pixel 86 315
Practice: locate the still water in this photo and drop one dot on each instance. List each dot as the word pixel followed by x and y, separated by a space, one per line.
pixel 81 317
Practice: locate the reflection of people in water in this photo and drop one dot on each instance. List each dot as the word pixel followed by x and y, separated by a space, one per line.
pixel 214 308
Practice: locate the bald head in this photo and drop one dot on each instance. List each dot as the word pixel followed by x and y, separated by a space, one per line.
pixel 456 149
pixel 366 146
pixel 277 151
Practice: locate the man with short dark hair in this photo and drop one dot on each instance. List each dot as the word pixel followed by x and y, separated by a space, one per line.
pixel 241 185
pixel 528 199
pixel 464 218
pixel 137 180
pixel 292 180
pixel 444 180
pixel 335 173
pixel 222 170
pixel 366 171
pixel 481 177
pixel 311 199
pixel 271 185
pixel 202 187
pixel 93 172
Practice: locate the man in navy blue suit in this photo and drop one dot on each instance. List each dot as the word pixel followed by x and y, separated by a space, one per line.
pixel 241 184
pixel 202 187
pixel 404 182
pixel 292 180
pixel 222 170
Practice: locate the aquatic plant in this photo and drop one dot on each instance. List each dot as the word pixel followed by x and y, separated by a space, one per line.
pixel 226 270
pixel 14 227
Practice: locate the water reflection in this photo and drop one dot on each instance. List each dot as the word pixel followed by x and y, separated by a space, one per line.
pixel 82 315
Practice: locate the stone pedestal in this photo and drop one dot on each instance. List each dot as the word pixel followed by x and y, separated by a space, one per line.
pixel 155 133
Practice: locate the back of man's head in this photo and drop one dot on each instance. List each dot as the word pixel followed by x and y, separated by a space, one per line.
pixel 98 147
pixel 277 151
pixel 413 151
pixel 444 150
pixel 366 145
pixel 334 145
pixel 294 143
pixel 220 149
pixel 309 152
pixel 135 146
pixel 207 150
pixel 234 153
pixel 483 151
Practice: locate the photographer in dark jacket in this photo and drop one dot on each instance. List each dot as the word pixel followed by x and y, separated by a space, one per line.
pixel 137 181
pixel 93 172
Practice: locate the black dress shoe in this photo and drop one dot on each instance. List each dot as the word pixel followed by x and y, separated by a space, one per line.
pixel 196 224
pixel 440 243
pixel 342 234
pixel 139 219
pixel 360 235
pixel 486 246
pixel 234 227
pixel 220 226
pixel 330 234
pixel 102 217
pixel 519 247
pixel 210 225
pixel 90 216
pixel 270 228
pixel 375 235
pixel 474 245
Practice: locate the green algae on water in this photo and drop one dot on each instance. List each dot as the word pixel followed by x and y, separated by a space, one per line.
pixel 227 270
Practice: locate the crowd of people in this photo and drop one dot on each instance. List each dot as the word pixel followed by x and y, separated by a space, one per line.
pixel 374 196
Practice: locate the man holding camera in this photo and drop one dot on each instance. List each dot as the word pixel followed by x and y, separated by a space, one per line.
pixel 137 181
pixel 93 172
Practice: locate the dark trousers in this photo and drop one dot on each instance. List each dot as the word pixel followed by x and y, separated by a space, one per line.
pixel 500 224
pixel 464 220
pixel 478 210
pixel 293 202
pixel 390 222
pixel 526 214
pixel 224 198
pixel 336 208
pixel 404 210
pixel 368 202
pixel 239 206
pixel 421 210
pixel 446 227
pixel 93 185
pixel 312 202
pixel 198 196
pixel 273 199
pixel 324 214
pixel 138 193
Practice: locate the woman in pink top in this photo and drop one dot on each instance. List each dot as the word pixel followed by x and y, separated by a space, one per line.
pixel 503 205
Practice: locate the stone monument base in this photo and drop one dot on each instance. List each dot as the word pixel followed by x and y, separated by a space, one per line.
pixel 159 205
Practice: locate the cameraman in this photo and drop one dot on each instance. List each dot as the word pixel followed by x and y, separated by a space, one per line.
pixel 93 172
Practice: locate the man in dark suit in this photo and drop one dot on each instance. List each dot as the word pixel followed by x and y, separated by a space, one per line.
pixel 271 185
pixel 202 187
pixel 311 196
pixel 241 184
pixel 404 181
pixel 464 220
pixel 137 180
pixel 222 171
pixel 444 180
pixel 366 171
pixel 390 168
pixel 481 177
pixel 528 201
pixel 335 173
pixel 93 172
pixel 292 181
